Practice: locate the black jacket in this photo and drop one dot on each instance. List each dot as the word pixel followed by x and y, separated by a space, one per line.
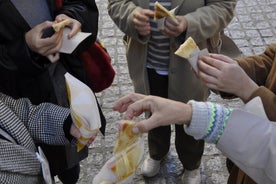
pixel 23 73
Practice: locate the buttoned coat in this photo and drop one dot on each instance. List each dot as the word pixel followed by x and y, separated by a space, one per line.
pixel 206 19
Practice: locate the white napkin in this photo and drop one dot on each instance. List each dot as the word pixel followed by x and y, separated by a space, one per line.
pixel 84 109
pixel 68 45
pixel 194 58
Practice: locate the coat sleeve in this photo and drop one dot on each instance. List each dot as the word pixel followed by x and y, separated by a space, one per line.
pixel 85 11
pixel 259 68
pixel 44 122
pixel 210 19
pixel 250 142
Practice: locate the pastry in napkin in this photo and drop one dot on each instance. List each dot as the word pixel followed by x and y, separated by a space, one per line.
pixel 84 109
pixel 121 167
pixel 190 51
pixel 125 136
pixel 161 12
pixel 127 155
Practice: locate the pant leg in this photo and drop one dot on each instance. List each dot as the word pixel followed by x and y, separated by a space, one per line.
pixel 188 149
pixel 158 138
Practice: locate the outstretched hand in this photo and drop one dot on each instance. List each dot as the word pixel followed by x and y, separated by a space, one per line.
pixel 163 111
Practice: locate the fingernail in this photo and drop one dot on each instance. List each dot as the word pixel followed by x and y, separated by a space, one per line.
pixel 135 130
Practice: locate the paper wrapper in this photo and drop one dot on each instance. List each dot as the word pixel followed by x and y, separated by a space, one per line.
pixel 68 45
pixel 161 22
pixel 194 58
pixel 120 168
pixel 84 109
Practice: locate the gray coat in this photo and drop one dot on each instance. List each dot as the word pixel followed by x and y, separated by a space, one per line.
pixel 206 18
pixel 27 124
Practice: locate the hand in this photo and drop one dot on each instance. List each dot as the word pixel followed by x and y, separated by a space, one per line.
pixel 164 111
pixel 141 20
pixel 172 29
pixel 74 24
pixel 75 132
pixel 222 73
pixel 43 46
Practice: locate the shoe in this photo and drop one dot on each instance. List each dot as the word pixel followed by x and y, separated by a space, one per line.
pixel 191 177
pixel 150 167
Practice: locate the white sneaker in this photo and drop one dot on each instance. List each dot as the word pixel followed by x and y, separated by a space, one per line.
pixel 150 167
pixel 191 177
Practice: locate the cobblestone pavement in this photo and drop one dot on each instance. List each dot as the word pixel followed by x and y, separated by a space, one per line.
pixel 252 29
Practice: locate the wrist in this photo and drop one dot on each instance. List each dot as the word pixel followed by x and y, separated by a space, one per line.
pixel 248 90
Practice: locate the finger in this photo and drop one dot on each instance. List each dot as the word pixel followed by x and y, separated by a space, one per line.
pixel 126 100
pixel 75 132
pixel 53 57
pixel 222 58
pixel 148 13
pixel 122 104
pixel 216 63
pixel 207 68
pixel 143 15
pixel 91 140
pixel 75 28
pixel 145 126
pixel 207 78
pixel 138 108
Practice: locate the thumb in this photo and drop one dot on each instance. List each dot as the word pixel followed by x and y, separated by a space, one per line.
pixel 144 126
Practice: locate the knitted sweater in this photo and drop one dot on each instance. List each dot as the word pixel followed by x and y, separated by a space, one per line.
pixel 208 121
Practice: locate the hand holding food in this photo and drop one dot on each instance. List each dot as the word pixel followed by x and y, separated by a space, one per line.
pixel 190 51
pixel 60 25
pixel 141 20
pixel 44 46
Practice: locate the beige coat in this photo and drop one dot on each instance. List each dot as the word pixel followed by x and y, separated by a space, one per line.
pixel 203 22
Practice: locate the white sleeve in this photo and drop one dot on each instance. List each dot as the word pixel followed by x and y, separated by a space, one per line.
pixel 250 142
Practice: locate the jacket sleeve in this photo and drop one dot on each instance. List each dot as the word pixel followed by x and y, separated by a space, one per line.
pixel 258 68
pixel 44 122
pixel 85 11
pixel 214 17
pixel 250 142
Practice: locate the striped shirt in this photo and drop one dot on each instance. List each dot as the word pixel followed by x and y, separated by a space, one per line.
pixel 158 56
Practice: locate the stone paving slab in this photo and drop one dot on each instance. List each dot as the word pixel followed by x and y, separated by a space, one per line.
pixel 252 29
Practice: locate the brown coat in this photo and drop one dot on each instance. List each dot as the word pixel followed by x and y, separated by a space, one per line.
pixel 262 69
